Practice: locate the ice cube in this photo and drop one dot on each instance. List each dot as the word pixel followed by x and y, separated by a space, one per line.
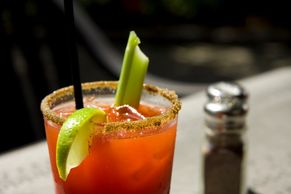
pixel 125 113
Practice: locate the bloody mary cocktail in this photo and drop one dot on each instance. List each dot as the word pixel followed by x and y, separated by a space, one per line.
pixel 132 153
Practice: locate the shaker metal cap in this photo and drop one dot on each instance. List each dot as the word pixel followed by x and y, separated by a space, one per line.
pixel 226 90
pixel 226 99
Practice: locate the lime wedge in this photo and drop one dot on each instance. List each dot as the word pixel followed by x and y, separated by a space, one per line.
pixel 74 136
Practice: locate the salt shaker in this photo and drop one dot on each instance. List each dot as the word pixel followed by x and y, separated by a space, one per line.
pixel 224 150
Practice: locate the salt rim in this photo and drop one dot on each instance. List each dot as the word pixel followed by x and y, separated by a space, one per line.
pixel 149 122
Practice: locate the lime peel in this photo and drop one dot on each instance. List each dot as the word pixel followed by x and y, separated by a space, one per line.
pixel 73 139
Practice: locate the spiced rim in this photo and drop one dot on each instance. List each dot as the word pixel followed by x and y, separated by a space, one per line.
pixel 149 122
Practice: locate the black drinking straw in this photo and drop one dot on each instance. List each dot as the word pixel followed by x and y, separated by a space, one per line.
pixel 73 52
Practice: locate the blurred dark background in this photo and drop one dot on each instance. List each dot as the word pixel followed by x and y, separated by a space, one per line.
pixel 190 43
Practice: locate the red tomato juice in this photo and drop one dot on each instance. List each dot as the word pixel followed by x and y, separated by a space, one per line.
pixel 140 163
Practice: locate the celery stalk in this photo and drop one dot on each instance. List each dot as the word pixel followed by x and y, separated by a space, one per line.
pixel 134 68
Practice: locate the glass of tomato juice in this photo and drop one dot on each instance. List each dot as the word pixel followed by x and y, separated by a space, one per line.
pixel 132 154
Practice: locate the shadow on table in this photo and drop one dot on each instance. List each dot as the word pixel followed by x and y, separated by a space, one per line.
pixel 250 191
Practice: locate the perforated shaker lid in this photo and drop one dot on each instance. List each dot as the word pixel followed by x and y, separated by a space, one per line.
pixel 226 98
pixel 226 106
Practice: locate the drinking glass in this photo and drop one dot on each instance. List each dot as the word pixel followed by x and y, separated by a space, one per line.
pixel 128 157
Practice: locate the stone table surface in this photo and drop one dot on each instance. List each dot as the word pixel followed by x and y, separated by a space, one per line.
pixel 27 170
